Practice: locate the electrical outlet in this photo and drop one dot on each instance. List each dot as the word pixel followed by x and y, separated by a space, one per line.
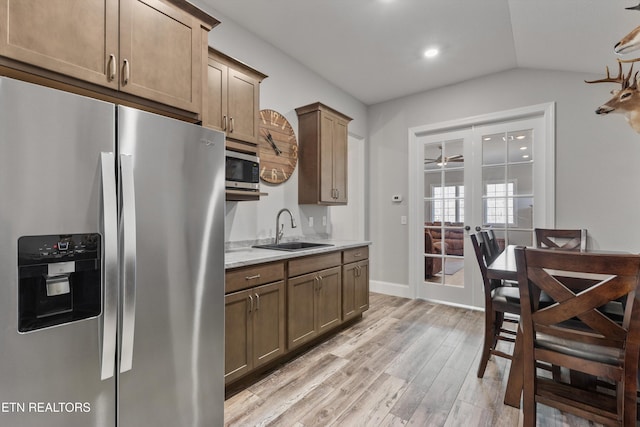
pixel 403 220
pixel 310 221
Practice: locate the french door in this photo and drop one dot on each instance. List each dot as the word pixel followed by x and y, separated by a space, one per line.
pixel 446 202
pixel 496 175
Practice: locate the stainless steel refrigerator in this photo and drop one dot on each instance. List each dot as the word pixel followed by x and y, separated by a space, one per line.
pixel 111 265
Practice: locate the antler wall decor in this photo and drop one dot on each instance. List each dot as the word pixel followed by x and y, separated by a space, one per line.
pixel 625 100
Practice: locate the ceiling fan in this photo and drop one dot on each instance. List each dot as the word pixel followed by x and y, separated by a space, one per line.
pixel 440 161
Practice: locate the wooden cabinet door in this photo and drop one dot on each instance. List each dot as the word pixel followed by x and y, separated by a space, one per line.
pixel 329 300
pixel 326 158
pixel 355 289
pixel 215 114
pixel 243 104
pixel 339 140
pixel 268 323
pixel 77 38
pixel 361 290
pixel 301 323
pixel 349 309
pixel 238 335
pixel 160 53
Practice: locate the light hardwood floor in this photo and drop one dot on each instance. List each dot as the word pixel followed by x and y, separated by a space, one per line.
pixel 407 363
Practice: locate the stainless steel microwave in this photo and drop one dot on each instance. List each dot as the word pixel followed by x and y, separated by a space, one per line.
pixel 242 171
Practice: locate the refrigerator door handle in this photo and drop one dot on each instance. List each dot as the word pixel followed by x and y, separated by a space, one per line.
pixel 128 270
pixel 109 222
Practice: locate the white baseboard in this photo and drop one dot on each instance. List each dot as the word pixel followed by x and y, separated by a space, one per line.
pixel 468 307
pixel 388 288
pixel 403 291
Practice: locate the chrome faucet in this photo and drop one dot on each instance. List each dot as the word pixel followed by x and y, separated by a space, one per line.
pixel 280 230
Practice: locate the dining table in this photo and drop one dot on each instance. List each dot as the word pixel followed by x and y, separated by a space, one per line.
pixel 504 267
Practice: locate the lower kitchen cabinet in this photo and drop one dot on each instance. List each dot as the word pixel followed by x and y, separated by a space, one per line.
pixel 254 328
pixel 355 289
pixel 273 309
pixel 315 305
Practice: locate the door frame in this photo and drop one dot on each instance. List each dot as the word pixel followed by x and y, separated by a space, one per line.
pixel 416 169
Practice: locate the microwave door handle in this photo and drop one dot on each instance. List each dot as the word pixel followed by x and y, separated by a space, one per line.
pixel 128 271
pixel 109 229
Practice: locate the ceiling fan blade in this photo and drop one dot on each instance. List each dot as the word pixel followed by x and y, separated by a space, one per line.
pixel 457 158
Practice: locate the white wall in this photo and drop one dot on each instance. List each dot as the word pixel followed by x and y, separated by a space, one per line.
pixel 289 85
pixel 596 174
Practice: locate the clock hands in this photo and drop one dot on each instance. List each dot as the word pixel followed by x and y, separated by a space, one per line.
pixel 273 144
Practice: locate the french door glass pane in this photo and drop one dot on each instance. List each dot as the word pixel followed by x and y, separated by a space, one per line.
pixel 521 175
pixel 520 146
pixel 522 213
pixel 493 149
pixel 492 175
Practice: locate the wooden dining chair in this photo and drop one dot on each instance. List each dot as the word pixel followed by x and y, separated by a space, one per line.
pixel 574 333
pixel 551 238
pixel 498 300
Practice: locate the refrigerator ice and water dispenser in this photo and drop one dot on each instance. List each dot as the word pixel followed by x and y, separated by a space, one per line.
pixel 59 279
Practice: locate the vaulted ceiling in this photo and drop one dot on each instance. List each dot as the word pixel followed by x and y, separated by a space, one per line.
pixel 373 49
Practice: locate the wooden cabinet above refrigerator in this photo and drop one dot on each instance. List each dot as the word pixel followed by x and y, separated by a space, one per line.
pixel 130 50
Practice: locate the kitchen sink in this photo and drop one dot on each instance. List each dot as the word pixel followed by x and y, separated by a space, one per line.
pixel 293 246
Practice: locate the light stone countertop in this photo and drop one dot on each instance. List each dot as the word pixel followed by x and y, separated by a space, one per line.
pixel 245 256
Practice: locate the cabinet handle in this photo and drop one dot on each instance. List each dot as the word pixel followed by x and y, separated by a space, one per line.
pixel 320 282
pixel 257 276
pixel 250 303
pixel 224 123
pixel 125 76
pixel 257 302
pixel 317 286
pixel 337 193
pixel 112 67
pixel 230 124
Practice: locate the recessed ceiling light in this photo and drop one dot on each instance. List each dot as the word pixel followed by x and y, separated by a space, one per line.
pixel 432 52
pixel 526 156
pixel 487 138
pixel 520 137
pixel 523 148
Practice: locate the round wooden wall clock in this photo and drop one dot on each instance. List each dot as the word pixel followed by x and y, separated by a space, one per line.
pixel 278 148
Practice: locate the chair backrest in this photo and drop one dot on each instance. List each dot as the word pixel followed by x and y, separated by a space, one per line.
pixel 607 278
pixel 551 238
pixel 479 244
pixel 491 248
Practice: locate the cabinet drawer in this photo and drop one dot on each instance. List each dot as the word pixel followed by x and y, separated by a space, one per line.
pixel 246 277
pixel 308 264
pixel 356 254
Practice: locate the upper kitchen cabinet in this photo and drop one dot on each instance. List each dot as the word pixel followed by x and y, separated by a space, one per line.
pixel 323 134
pixel 232 102
pixel 152 49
